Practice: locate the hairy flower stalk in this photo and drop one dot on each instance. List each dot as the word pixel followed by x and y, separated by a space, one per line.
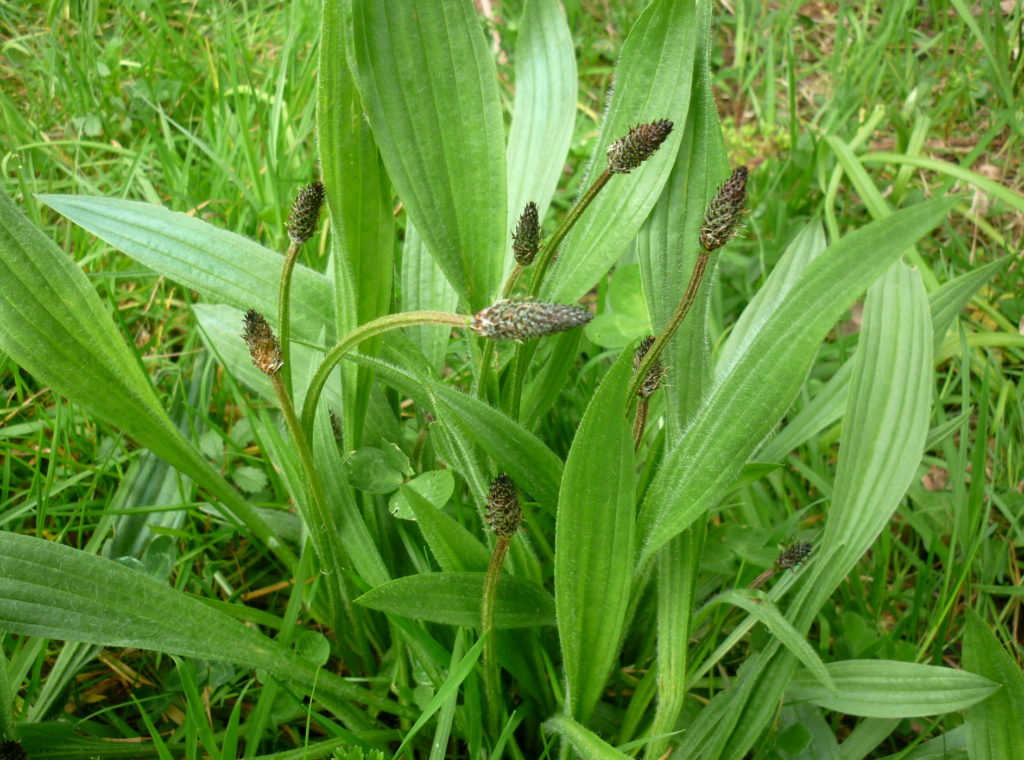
pixel 317 515
pixel 301 225
pixel 639 144
pixel 718 228
pixel 264 347
pixel 651 383
pixel 503 516
pixel 624 155
pixel 522 319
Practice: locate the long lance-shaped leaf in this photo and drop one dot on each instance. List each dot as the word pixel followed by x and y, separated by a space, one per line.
pixel 544 109
pixel 761 384
pixel 653 80
pixel 891 689
pixel 430 90
pixel 994 727
pixel 219 265
pixel 880 450
pixel 594 542
pixel 360 200
pixel 63 593
pixel 667 244
pixel 588 744
pixel 826 408
pixel 53 325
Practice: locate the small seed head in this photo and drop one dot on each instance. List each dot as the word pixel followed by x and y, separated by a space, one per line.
pixel 264 347
pixel 652 381
pixel 526 238
pixel 795 554
pixel 521 319
pixel 639 144
pixel 305 213
pixel 724 212
pixel 504 515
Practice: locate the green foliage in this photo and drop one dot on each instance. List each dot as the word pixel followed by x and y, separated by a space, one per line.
pixel 848 376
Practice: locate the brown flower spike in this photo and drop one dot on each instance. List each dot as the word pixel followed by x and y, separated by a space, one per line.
pixel 639 144
pixel 520 319
pixel 504 515
pixel 526 238
pixel 305 213
pixel 794 555
pixel 655 374
pixel 724 212
pixel 264 347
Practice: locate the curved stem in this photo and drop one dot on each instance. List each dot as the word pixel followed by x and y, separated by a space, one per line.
pixel 284 315
pixel 357 336
pixel 673 324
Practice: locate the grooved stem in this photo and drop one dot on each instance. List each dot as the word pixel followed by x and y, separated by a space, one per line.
pixel 673 324
pixel 492 671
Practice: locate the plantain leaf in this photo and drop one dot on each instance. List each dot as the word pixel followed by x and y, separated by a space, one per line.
pixel 454 547
pixel 891 689
pixel 429 87
pixel 53 325
pixel 220 265
pixel 544 108
pixel 994 727
pixel 594 542
pixel 62 593
pixel 886 423
pixel 761 384
pixel 534 467
pixel 655 71
pixel 454 599
pixel 667 247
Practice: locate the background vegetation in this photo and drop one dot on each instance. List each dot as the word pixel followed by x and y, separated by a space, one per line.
pixel 209 108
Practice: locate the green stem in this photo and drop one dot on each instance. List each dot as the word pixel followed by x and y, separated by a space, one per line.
pixel 283 310
pixel 492 671
pixel 640 422
pixel 357 336
pixel 673 324
pixel 547 253
pixel 316 513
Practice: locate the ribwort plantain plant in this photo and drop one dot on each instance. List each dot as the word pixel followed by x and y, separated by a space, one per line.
pixel 486 587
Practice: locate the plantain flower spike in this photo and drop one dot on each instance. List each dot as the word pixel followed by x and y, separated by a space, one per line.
pixel 639 144
pixel 526 238
pixel 724 212
pixel 521 319
pixel 791 558
pixel 504 515
pixel 652 381
pixel 264 347
pixel 305 213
